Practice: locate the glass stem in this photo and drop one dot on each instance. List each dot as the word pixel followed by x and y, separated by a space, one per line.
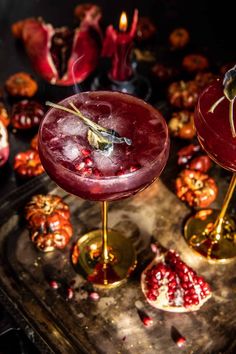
pixel 218 225
pixel 105 253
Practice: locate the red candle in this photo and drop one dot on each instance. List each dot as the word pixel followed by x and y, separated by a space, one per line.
pixel 118 45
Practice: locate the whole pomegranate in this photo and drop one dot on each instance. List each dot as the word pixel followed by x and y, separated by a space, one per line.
pixel 169 284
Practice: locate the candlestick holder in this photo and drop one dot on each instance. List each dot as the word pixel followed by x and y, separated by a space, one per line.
pixel 137 85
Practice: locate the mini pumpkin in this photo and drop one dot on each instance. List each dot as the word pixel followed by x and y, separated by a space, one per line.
pixel 48 219
pixel 195 63
pixel 145 28
pixel 204 79
pixel 163 72
pixel 192 157
pixel 186 153
pixel 179 38
pixel 195 188
pixel 27 164
pixel 21 84
pixel 34 142
pixel 26 114
pixel 4 117
pixel 181 124
pixel 183 94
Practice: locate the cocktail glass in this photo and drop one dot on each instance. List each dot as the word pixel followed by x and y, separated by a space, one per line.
pixel 104 257
pixel 212 233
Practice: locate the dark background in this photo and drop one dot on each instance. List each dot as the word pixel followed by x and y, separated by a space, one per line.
pixel 211 23
pixel 212 30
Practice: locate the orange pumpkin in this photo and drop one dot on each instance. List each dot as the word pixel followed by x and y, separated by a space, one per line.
pixel 27 164
pixel 49 222
pixel 183 94
pixel 195 188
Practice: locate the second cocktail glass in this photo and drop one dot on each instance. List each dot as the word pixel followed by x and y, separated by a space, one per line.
pixel 211 232
pixel 118 148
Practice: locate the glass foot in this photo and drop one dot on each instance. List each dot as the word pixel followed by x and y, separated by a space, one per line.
pixel 87 258
pixel 201 236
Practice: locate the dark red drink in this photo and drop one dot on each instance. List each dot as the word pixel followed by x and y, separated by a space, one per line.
pixel 213 128
pixel 78 168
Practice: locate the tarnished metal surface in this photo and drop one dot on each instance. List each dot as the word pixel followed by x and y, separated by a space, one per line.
pixel 111 324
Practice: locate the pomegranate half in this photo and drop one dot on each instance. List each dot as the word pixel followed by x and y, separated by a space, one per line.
pixel 4 145
pixel 169 284
pixel 60 55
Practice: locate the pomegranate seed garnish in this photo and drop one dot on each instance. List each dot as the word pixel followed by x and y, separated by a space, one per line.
pixel 147 320
pixel 94 296
pixel 154 248
pixel 69 293
pixel 80 166
pixel 181 342
pixel 121 172
pixel 177 337
pixel 85 152
pixel 88 161
pixel 87 171
pixel 134 168
pixel 54 284
pixel 96 172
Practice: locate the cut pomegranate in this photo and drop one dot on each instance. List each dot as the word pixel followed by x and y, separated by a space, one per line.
pixel 60 55
pixel 169 284
pixel 4 145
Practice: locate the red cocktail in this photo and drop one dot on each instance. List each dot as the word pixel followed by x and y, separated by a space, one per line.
pixel 213 128
pixel 210 232
pixel 79 165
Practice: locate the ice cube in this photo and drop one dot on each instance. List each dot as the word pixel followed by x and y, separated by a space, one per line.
pixel 72 126
pixel 71 150
pixel 108 165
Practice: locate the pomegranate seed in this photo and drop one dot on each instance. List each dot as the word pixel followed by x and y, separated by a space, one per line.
pixel 154 279
pixel 195 301
pixel 85 152
pixel 94 296
pixel 147 320
pixel 87 171
pixel 54 284
pixel 96 172
pixel 207 292
pixel 171 277
pixel 155 286
pixel 69 293
pixel 121 172
pixel 200 280
pixel 134 168
pixel 151 296
pixel 80 166
pixel 177 337
pixel 172 284
pixel 181 342
pixel 88 161
pixel 154 248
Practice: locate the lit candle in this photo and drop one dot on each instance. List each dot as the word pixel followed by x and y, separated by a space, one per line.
pixel 118 45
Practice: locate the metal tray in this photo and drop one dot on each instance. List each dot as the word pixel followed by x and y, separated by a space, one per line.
pixel 111 324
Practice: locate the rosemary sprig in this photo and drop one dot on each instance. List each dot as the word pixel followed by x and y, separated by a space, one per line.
pixel 99 137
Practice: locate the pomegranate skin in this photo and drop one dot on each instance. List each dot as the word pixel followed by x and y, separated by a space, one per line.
pixel 37 38
pixel 169 284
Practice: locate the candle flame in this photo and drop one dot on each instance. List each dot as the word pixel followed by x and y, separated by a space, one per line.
pixel 123 22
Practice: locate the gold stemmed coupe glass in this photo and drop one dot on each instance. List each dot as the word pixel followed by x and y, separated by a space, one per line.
pixel 103 146
pixel 210 232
